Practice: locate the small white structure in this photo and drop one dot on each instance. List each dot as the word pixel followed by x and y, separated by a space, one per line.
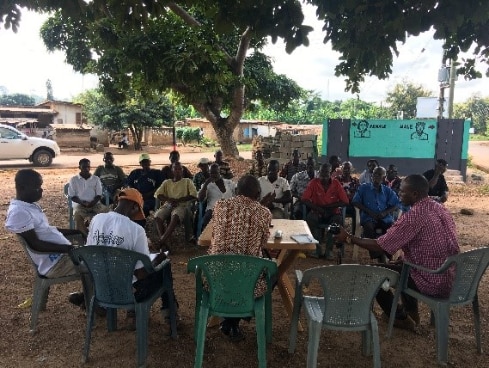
pixel 427 108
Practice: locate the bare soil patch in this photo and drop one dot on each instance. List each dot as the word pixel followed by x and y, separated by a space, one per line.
pixel 60 338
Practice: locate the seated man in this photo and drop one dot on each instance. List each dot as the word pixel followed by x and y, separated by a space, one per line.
pixel 436 180
pixel 111 176
pixel 392 180
pixel 85 190
pixel 176 194
pixel 366 175
pixel 124 141
pixel 275 191
pixel 27 219
pixel 324 197
pixel 200 178
pixel 214 189
pixel 258 166
pixel 376 203
pixel 293 166
pixel 146 180
pixel 241 226
pixel 350 185
pixel 427 236
pixel 224 167
pixel 166 171
pixel 298 185
pixel 335 163
pixel 118 224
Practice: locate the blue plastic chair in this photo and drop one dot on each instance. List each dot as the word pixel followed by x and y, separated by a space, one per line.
pixel 345 305
pixel 469 268
pixel 42 284
pixel 111 270
pixel 229 292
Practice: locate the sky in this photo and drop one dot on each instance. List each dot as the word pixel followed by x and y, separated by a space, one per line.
pixel 27 66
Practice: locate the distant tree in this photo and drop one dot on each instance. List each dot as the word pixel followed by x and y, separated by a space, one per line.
pixel 49 90
pixel 134 114
pixel 403 97
pixel 17 99
pixel 475 108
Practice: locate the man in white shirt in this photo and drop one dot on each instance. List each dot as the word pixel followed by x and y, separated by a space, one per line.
pixel 276 188
pixel 27 219
pixel 85 190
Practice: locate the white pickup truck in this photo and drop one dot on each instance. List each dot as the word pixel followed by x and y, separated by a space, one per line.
pixel 15 145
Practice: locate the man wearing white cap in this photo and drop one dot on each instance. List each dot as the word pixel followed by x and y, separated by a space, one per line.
pixel 146 180
pixel 203 174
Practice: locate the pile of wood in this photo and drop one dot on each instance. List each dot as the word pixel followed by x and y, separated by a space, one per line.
pixel 282 145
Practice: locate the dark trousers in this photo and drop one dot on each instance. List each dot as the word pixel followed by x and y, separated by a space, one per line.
pixel 152 282
pixel 385 298
pixel 373 230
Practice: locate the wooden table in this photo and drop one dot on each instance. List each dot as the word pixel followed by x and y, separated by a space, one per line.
pixel 289 251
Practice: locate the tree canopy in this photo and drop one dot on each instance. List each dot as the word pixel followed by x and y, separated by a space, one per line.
pixel 404 97
pixel 18 99
pixel 350 26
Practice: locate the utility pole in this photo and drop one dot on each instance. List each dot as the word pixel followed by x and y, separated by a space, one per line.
pixel 443 78
pixel 451 91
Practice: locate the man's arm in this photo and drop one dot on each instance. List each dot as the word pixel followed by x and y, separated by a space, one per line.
pixel 42 246
pixel 369 244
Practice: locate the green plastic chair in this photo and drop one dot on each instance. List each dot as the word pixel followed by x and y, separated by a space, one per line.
pixel 469 268
pixel 42 284
pixel 346 305
pixel 229 292
pixel 111 270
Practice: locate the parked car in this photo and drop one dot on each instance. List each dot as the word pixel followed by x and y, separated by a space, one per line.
pixel 15 145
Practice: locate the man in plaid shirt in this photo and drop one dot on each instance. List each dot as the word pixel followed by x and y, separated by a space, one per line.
pixel 427 236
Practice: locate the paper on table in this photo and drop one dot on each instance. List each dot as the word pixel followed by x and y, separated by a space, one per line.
pixel 304 239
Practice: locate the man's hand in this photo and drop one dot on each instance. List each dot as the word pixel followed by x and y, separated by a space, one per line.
pixel 341 237
pixel 267 201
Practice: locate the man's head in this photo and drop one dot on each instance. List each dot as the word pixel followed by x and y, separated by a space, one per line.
pixel 215 172
pixel 259 156
pixel 363 125
pixel 145 161
pixel 296 155
pixel 347 168
pixel 249 186
pixel 203 164
pixel 130 203
pixel 325 173
pixel 311 166
pixel 391 172
pixel 108 159
pixel 441 165
pixel 174 156
pixel 272 170
pixel 413 188
pixel 218 156
pixel 84 166
pixel 335 162
pixel 177 171
pixel 378 176
pixel 28 185
pixel 371 165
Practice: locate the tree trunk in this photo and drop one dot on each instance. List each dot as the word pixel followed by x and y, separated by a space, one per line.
pixel 224 129
pixel 137 134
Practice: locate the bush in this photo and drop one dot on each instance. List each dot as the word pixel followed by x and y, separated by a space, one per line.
pixel 187 135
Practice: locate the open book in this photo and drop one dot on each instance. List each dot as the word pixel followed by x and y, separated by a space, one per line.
pixel 304 238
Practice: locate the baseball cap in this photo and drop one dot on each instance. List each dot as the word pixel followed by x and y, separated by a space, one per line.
pixel 133 195
pixel 144 156
pixel 204 161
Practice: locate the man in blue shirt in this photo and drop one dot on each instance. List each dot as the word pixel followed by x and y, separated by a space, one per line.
pixel 376 203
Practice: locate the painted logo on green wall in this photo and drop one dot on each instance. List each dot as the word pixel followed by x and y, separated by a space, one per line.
pixel 393 138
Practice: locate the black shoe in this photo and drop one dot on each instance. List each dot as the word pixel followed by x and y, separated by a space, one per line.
pixel 77 299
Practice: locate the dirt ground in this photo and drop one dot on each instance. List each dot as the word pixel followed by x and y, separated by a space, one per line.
pixel 60 337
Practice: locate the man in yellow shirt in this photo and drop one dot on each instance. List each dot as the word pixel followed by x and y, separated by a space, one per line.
pixel 175 194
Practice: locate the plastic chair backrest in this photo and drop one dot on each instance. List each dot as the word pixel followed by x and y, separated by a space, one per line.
pixel 470 266
pixel 231 280
pixel 112 271
pixel 349 291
